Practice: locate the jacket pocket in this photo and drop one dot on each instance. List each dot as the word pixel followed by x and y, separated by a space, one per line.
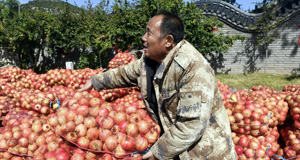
pixel 192 107
pixel 220 148
pixel 203 149
pixel 220 142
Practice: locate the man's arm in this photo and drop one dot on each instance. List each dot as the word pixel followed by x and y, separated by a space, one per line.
pixel 123 76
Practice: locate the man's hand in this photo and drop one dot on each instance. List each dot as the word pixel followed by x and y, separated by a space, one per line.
pixel 149 156
pixel 87 85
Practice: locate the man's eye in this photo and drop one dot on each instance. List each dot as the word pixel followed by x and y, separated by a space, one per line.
pixel 148 31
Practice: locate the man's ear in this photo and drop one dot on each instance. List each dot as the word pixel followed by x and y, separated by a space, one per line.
pixel 169 41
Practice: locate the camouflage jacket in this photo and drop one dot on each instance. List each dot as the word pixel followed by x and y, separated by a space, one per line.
pixel 190 106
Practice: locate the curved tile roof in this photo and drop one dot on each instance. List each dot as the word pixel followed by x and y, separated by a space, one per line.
pixel 240 19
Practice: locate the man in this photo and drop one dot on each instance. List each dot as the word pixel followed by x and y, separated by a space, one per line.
pixel 180 92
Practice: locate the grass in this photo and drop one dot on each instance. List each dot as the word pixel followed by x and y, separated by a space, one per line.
pixel 240 82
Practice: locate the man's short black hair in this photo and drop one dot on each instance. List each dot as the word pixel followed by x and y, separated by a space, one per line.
pixel 171 24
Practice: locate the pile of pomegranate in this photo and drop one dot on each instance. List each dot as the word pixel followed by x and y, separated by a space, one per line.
pixel 293 100
pixel 120 59
pixel 291 138
pixel 258 120
pixel 43 116
pixel 256 147
pixel 90 123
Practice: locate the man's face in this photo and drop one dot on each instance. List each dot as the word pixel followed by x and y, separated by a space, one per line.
pixel 154 44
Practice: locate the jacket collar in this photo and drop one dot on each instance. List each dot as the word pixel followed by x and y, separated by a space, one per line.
pixel 167 61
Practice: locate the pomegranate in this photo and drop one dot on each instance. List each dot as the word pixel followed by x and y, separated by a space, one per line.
pixel 127 143
pixel 111 143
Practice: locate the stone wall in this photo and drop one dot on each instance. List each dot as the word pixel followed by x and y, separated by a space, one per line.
pixel 281 56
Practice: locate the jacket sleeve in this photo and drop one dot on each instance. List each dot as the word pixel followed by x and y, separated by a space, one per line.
pixel 123 76
pixel 196 92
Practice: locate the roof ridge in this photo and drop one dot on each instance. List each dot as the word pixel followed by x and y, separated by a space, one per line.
pixel 239 19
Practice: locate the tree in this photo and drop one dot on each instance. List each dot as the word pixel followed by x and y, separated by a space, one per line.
pixel 2 21
pixel 27 34
pixel 94 30
pixel 267 23
pixel 199 28
pixel 12 6
pixel 123 25
pixel 100 30
pixel 63 32
pixel 63 35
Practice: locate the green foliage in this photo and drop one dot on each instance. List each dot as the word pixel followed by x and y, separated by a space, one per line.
pixel 267 23
pixel 130 19
pixel 96 31
pixel 63 32
pixel 24 34
pixel 88 61
pixel 104 28
pixel 12 7
pixel 199 31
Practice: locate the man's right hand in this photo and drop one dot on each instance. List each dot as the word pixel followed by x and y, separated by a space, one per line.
pixel 87 85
